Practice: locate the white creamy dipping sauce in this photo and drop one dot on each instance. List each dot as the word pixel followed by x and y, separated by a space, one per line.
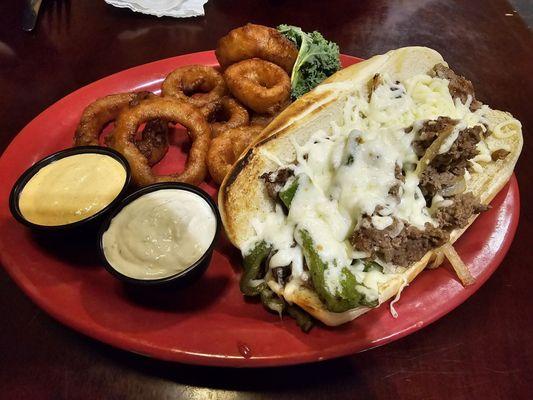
pixel 159 234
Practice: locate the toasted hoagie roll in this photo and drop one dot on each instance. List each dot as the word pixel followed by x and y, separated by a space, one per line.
pixel 363 182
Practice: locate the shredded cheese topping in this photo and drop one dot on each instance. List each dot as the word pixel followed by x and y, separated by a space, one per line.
pixel 346 171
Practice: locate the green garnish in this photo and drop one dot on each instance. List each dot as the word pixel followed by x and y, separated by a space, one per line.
pixel 317 59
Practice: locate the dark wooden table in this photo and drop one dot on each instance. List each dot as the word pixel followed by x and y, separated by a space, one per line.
pixel 481 350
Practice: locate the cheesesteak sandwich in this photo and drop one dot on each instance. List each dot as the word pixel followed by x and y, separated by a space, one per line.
pixel 363 182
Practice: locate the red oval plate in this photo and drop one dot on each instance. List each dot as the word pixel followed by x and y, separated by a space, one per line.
pixel 209 322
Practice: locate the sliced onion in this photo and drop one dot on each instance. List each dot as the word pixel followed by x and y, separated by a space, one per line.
pixel 397 229
pixel 433 150
pixel 439 258
pixel 458 265
pixel 458 187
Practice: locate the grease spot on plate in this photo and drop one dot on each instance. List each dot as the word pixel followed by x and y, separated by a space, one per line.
pixel 244 349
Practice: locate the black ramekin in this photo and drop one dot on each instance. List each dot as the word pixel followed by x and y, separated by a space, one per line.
pixel 83 224
pixel 182 278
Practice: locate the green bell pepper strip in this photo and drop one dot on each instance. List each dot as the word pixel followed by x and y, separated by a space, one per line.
pixel 252 268
pixel 372 265
pixel 287 195
pixel 302 318
pixel 348 297
pixel 270 300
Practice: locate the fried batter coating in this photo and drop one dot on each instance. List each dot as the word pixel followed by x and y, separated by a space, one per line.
pixel 225 114
pixel 256 41
pixel 196 84
pixel 260 85
pixel 226 148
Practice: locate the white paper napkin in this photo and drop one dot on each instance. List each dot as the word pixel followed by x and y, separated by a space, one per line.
pixel 160 8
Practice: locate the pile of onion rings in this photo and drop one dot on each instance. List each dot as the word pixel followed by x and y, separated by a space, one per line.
pixel 222 111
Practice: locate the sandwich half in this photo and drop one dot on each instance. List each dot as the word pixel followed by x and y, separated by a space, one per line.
pixel 363 182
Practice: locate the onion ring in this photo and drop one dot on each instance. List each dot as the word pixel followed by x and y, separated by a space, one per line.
pixel 260 85
pixel 226 148
pixel 154 141
pixel 196 84
pixel 174 111
pixel 225 114
pixel 256 41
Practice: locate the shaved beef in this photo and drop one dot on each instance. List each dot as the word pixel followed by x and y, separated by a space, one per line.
pixel 445 169
pixel 401 243
pixel 457 215
pixel 398 173
pixel 400 246
pixel 459 86
pixel 433 181
pixel 394 191
pixel 274 181
pixel 463 149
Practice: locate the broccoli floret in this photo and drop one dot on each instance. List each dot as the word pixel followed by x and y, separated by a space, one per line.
pixel 317 59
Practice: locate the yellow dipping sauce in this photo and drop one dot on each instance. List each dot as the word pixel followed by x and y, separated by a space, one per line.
pixel 71 189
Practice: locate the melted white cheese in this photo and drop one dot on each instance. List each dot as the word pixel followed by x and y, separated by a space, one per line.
pixel 345 171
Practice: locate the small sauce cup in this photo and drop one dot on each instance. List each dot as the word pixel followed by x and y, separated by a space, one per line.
pixel 178 279
pixel 87 223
